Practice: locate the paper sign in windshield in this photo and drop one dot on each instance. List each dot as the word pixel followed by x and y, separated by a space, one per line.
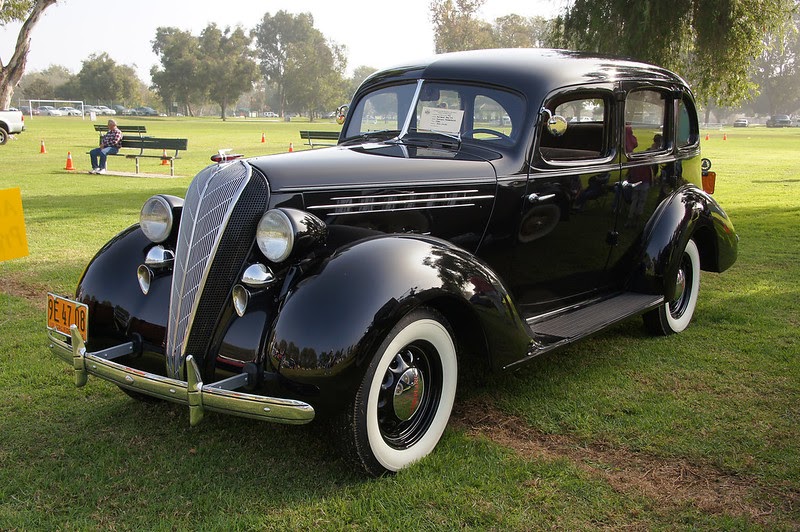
pixel 441 120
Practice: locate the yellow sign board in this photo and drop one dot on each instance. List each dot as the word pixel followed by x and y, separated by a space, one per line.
pixel 13 242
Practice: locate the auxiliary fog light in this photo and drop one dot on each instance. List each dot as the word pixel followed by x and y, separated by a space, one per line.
pixel 145 276
pixel 240 299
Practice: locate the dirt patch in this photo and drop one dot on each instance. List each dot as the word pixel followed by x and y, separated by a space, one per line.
pixel 669 483
pixel 15 286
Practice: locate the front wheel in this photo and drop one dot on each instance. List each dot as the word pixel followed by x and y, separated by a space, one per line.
pixel 674 316
pixel 405 399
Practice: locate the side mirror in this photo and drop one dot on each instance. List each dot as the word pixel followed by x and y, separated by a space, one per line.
pixel 556 124
pixel 341 113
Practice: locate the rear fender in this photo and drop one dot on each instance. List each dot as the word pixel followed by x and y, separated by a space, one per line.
pixel 688 213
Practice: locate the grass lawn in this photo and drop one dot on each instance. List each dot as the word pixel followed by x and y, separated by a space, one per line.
pixel 699 430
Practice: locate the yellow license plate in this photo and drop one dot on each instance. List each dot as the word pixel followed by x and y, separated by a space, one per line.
pixel 63 312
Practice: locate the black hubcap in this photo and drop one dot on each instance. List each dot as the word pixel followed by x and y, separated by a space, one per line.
pixel 683 288
pixel 409 395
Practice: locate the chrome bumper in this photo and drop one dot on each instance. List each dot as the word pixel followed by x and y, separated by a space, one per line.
pixel 218 397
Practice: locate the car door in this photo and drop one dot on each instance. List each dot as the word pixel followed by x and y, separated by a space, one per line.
pixel 567 225
pixel 649 169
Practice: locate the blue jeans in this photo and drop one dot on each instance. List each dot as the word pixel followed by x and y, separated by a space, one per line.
pixel 102 153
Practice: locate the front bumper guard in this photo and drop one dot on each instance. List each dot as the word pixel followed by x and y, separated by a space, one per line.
pixel 218 397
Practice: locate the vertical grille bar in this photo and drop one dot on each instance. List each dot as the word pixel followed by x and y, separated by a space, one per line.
pixel 209 202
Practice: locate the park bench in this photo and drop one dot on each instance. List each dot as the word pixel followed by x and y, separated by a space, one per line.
pixel 311 136
pixel 154 143
pixel 141 130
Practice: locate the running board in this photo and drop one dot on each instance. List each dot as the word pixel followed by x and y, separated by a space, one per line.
pixel 585 320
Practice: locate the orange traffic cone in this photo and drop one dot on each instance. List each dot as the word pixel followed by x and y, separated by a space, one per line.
pixel 263 138
pixel 291 147
pixel 164 161
pixel 69 162
pixel 724 136
pixel 42 149
pixel 706 136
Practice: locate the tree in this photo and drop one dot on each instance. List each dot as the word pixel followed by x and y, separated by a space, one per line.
pixel 359 75
pixel 313 77
pixel 711 42
pixel 456 27
pixel 777 69
pixel 515 31
pixel 101 79
pixel 275 36
pixel 181 76
pixel 229 70
pixel 28 12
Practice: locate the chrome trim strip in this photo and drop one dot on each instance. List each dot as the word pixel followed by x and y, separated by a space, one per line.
pixel 193 393
pixel 421 202
pixel 406 194
pixel 411 109
pixel 399 184
pixel 349 213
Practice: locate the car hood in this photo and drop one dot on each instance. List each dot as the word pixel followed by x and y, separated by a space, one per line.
pixel 370 164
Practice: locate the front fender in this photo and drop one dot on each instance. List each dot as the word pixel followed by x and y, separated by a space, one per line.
pixel 117 307
pixel 332 321
pixel 688 213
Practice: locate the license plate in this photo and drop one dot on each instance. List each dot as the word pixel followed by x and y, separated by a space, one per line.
pixel 63 312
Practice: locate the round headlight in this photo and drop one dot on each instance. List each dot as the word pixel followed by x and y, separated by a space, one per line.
pixel 156 219
pixel 275 235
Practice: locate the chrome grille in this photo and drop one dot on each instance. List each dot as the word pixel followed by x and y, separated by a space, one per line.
pixel 209 202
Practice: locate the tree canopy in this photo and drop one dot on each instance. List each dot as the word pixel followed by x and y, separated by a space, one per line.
pixel 710 42
pixel 296 58
pixel 217 64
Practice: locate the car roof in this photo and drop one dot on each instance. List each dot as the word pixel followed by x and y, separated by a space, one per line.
pixel 527 69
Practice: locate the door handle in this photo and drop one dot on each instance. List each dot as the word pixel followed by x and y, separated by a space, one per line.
pixel 535 198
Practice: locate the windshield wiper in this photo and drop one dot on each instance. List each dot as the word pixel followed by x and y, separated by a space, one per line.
pixel 382 134
pixel 429 138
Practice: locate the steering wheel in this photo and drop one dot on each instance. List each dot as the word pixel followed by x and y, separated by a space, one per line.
pixel 497 134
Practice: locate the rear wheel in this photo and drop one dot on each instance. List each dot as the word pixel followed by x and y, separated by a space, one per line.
pixel 674 316
pixel 405 399
pixel 3 136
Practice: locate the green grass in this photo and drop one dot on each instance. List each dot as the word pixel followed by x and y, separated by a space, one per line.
pixel 571 441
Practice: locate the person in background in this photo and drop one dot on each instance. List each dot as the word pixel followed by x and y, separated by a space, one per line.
pixel 109 145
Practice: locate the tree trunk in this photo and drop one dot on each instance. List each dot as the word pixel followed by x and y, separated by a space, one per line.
pixel 11 73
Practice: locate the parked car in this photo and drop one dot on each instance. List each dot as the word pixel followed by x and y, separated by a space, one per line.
pixel 49 110
pixel 779 121
pixel 12 121
pixel 270 114
pixel 107 111
pixel 353 282
pixel 741 122
pixel 70 111
pixel 146 111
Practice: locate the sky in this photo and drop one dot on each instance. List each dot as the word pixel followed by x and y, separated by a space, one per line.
pixel 376 34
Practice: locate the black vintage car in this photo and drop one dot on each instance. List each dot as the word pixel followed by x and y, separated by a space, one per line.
pixel 480 208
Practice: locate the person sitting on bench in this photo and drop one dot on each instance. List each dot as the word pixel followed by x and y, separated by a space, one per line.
pixel 109 144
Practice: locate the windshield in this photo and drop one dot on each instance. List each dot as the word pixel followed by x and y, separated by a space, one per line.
pixel 469 113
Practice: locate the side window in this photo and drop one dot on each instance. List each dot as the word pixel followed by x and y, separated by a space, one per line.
pixel 587 133
pixel 686 128
pixel 489 114
pixel 645 114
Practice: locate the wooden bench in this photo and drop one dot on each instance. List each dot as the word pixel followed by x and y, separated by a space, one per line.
pixel 311 136
pixel 141 130
pixel 154 143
